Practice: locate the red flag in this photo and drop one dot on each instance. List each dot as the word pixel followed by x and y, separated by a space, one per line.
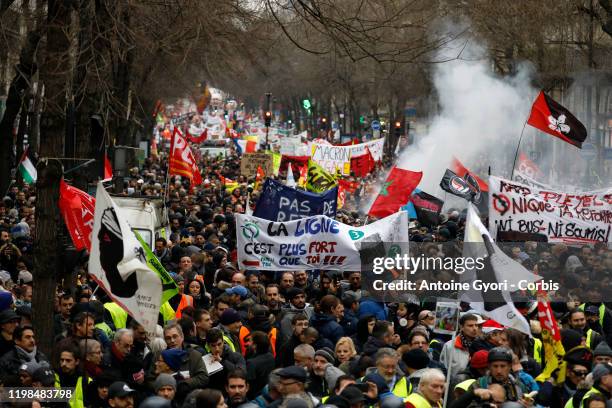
pixel 550 117
pixel 345 186
pixel 108 169
pixel 182 160
pixel 547 319
pixel 251 146
pixel 197 139
pixel 395 192
pixel 459 169
pixel 77 208
pixel 362 165
pixel 527 167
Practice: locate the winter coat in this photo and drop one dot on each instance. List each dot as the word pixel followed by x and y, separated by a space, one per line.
pixel 259 368
pixel 328 327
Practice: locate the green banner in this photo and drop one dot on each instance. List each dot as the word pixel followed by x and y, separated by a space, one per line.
pixel 169 288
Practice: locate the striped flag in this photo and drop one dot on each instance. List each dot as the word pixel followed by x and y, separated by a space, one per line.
pixel 27 168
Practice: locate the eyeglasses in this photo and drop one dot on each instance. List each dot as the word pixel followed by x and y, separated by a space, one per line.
pixel 580 373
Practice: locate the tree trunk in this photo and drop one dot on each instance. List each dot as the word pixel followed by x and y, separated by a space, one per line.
pixel 55 74
pixel 18 89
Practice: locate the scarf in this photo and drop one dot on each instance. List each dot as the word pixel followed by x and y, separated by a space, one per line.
pixel 465 341
pixel 30 356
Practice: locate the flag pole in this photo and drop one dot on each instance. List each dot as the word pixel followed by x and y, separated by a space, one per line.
pixel 517 150
pixel 450 363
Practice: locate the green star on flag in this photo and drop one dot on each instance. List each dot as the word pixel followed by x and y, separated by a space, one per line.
pixel 383 190
pixel 395 192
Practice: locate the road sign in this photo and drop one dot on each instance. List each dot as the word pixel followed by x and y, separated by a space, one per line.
pixel 588 151
pixel 375 125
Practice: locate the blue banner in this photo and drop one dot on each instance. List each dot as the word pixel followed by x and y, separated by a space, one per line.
pixel 281 203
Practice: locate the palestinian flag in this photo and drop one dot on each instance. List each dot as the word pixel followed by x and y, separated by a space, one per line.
pixel 27 169
pixel 552 118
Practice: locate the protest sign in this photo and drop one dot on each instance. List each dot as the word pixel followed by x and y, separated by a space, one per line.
pixel 447 313
pixel 332 158
pixel 559 216
pixel 281 203
pixel 317 242
pixel 250 162
pixel 375 147
pixel 214 151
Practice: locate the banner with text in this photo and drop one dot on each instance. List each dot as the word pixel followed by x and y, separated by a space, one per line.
pixel 317 242
pixel 332 158
pixel 557 216
pixel 281 203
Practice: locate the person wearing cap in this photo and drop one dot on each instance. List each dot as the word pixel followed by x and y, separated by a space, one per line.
pixel 165 387
pixel 323 374
pixel 258 319
pixel 230 324
pixel 416 361
pixel 500 372
pixel 431 390
pixel 43 377
pixel 296 299
pixel 120 395
pixel 577 321
pixel 457 350
pixel 189 363
pixel 602 354
pixel 9 320
pixel 24 351
pixel 26 371
pixel 493 335
pixel 353 396
pixel 477 368
pixel 602 385
pixel 292 384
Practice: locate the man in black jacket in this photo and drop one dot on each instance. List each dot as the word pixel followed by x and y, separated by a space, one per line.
pixel 221 353
pixel 284 355
pixel 24 351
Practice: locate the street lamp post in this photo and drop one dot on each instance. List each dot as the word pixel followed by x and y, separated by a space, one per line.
pixel 268 117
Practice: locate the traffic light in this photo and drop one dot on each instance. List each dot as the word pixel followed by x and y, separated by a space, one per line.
pixel 398 128
pixel 268 118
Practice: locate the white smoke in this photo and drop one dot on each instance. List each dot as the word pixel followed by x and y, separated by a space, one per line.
pixel 480 119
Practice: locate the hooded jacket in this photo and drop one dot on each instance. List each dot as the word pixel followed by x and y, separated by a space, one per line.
pixel 328 327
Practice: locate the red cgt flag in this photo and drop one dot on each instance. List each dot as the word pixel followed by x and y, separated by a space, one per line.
pixel 197 139
pixel 77 208
pixel 108 169
pixel 550 117
pixel 182 160
pixel 528 167
pixel 395 192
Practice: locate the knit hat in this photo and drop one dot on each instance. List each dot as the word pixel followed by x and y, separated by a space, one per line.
pixel 377 379
pixel 6 300
pixel 600 371
pixel 480 359
pixel 570 338
pixel 173 357
pixel 164 380
pixel 30 367
pixel 293 292
pixel 417 359
pixel 45 376
pixel 229 316
pixel 327 354
pixel 602 349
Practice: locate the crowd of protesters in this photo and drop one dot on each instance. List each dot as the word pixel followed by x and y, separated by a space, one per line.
pixel 297 339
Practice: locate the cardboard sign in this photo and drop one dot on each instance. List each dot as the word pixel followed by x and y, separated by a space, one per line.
pixel 250 162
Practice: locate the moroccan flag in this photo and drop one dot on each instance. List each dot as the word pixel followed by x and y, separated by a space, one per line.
pixel 552 118
pixel 528 167
pixel 395 192
pixel 27 169
pixel 182 160
pixel 108 169
pixel 77 208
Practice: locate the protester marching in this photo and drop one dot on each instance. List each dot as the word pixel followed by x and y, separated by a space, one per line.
pixel 243 264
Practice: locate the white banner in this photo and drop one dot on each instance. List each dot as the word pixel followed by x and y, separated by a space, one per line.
pixel 375 146
pixel 118 264
pixel 332 157
pixel 562 217
pixel 317 242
